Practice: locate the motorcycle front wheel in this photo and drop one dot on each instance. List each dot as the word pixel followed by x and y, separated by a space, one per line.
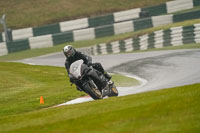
pixel 91 88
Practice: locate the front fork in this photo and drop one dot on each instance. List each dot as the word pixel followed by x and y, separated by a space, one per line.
pixel 98 78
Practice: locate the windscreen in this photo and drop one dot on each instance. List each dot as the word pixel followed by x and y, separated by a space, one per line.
pixel 75 68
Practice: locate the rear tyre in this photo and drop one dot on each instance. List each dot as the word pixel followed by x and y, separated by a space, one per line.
pixel 113 91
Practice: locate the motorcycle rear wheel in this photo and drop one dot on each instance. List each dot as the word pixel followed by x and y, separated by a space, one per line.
pixel 113 91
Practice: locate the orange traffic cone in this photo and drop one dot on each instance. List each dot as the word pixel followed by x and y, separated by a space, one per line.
pixel 41 100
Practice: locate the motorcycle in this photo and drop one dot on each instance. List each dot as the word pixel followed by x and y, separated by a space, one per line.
pixel 91 81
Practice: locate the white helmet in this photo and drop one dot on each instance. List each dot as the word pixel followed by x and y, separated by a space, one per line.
pixel 69 51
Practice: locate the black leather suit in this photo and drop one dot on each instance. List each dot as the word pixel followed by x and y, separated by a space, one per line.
pixel 87 60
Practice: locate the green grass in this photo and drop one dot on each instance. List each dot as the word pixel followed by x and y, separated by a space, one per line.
pixel 185 46
pixel 188 10
pixel 124 82
pixel 33 13
pixel 79 44
pixel 164 111
pixel 22 85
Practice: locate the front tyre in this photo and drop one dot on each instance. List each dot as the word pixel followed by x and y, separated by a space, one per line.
pixel 93 90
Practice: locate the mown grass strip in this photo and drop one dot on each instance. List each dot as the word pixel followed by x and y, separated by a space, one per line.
pixel 169 110
pixel 22 85
pixel 185 46
pixel 124 81
pixel 37 13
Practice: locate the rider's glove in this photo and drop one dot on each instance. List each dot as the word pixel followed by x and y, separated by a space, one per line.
pixel 89 63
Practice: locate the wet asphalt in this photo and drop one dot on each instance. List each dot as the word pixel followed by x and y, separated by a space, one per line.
pixel 156 69
pixel 164 71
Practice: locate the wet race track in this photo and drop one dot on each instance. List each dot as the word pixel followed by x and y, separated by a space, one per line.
pixel 155 70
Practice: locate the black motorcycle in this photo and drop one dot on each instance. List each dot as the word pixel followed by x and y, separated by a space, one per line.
pixel 91 81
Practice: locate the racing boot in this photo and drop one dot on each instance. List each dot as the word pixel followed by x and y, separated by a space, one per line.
pixel 107 76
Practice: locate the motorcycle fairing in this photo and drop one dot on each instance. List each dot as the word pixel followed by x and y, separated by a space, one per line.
pixel 75 68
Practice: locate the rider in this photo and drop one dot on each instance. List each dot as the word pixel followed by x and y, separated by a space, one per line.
pixel 72 55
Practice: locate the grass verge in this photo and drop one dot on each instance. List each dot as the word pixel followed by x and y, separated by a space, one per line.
pixel 188 10
pixel 185 46
pixel 23 13
pixel 123 81
pixel 169 110
pixel 79 44
pixel 22 85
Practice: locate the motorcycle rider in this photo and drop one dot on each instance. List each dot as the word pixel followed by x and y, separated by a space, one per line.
pixel 73 55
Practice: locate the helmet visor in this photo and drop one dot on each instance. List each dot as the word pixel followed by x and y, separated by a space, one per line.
pixel 69 53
